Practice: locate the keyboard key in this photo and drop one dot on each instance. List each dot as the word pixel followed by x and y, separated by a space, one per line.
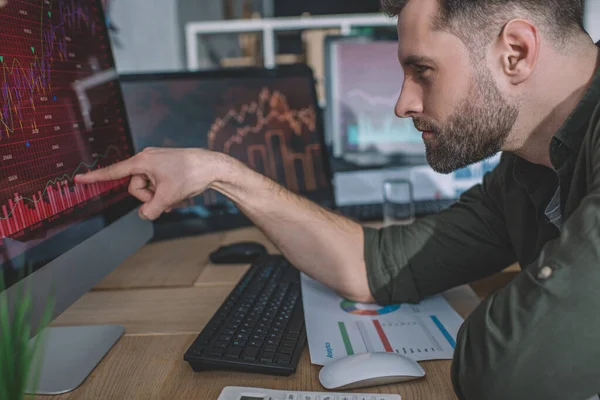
pixel 279 325
pixel 216 353
pixel 283 359
pixel 271 347
pixel 234 352
pixel 287 350
pixel 276 335
pixel 251 353
pixel 203 340
pixel 295 326
pixel 267 356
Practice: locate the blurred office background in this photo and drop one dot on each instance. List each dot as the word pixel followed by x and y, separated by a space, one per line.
pixel 151 32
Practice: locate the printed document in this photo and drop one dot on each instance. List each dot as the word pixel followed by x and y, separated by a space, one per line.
pixel 337 327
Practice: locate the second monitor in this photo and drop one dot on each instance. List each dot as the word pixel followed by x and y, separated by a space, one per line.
pixel 267 119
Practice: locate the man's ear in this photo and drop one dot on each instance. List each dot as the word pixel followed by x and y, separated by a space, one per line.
pixel 518 47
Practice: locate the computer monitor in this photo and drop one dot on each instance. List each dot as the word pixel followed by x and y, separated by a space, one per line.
pixel 367 143
pixel 61 114
pixel 267 118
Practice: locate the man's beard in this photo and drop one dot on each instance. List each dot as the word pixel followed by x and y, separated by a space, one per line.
pixel 475 131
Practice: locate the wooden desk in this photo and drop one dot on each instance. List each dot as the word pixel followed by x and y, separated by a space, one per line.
pixel 164 304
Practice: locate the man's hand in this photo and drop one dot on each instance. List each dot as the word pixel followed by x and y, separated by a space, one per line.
pixel 162 178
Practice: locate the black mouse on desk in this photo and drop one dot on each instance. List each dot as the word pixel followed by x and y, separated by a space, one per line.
pixel 238 253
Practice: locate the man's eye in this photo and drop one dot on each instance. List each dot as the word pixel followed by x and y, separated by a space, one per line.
pixel 422 71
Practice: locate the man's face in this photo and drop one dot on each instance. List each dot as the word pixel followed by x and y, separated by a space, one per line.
pixel 457 105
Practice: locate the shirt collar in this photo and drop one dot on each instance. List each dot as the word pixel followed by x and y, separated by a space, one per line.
pixel 572 132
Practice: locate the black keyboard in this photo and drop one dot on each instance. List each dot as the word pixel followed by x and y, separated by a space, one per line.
pixel 374 212
pixel 259 327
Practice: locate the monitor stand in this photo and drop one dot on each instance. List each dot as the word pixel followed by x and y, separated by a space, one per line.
pixel 70 354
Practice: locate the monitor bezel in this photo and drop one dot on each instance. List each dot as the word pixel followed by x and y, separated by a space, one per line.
pixel 77 232
pixel 297 70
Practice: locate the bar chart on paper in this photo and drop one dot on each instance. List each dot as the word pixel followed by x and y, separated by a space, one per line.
pixel 338 327
pixel 423 339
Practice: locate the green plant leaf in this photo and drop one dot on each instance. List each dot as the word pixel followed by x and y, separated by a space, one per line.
pixel 6 346
pixel 19 363
pixel 20 335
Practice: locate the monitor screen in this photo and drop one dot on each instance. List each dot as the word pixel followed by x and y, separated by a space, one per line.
pixel 269 121
pixel 61 114
pixel 368 143
pixel 361 101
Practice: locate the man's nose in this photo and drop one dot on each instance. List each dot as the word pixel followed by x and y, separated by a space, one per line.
pixel 409 102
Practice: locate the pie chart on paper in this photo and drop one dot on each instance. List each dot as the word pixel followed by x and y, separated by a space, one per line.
pixel 372 310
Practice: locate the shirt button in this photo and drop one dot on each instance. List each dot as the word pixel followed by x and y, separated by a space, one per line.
pixel 545 273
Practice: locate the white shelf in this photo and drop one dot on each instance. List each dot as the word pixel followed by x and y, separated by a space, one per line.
pixel 269 26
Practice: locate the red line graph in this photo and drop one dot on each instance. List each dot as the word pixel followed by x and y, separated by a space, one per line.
pixel 59 198
pixel 23 212
pixel 263 133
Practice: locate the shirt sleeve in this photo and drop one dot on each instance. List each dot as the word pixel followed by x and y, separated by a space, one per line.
pixel 539 337
pixel 466 242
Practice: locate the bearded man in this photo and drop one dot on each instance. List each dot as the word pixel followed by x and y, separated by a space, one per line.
pixel 481 76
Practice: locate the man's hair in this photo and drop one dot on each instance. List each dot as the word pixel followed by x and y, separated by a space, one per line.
pixel 478 19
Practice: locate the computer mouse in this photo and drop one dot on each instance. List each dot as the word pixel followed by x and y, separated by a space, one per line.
pixel 369 369
pixel 238 253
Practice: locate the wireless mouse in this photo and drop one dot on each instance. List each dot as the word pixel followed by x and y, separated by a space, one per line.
pixel 369 369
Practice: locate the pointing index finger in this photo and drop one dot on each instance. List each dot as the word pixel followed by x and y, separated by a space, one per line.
pixel 113 172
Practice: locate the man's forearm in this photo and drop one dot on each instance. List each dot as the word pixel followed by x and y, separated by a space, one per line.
pixel 324 245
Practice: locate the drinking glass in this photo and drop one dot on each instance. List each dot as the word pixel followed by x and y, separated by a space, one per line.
pixel 398 203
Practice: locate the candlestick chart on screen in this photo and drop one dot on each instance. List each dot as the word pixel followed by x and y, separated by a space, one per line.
pixel 269 124
pixel 271 137
pixel 59 116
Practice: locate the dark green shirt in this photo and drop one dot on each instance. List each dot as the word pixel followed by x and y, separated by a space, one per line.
pixel 539 337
